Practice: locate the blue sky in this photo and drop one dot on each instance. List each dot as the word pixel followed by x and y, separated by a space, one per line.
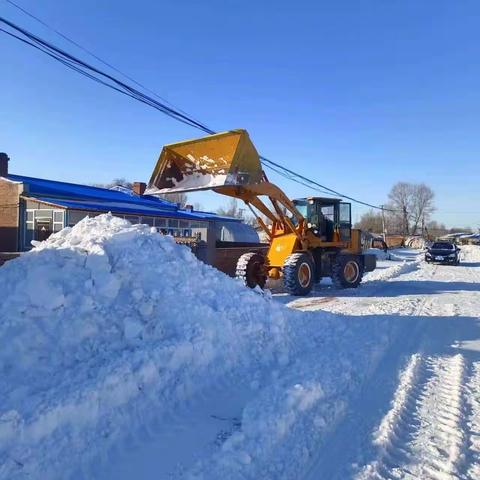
pixel 355 94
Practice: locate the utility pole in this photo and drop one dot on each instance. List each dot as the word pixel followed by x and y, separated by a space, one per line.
pixel 240 213
pixel 383 225
pixel 405 220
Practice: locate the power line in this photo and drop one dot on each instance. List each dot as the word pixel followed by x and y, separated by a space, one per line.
pixel 89 52
pixel 110 81
pixel 104 78
pixel 329 190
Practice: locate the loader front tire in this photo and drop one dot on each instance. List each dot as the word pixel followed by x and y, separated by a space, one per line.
pixel 347 271
pixel 298 274
pixel 251 270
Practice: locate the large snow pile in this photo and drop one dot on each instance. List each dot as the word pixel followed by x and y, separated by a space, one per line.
pixel 107 325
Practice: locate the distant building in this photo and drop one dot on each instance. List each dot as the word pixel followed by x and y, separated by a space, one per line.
pixel 34 208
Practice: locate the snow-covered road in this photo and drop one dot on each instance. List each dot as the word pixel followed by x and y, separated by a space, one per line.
pixel 418 417
pixel 132 359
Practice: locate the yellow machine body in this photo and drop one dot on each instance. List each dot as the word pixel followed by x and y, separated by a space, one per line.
pixel 281 247
pixel 229 164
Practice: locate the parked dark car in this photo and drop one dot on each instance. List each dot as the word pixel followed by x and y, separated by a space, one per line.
pixel 443 252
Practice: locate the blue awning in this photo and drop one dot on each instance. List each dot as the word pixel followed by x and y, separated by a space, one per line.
pixel 72 191
pixel 96 199
pixel 127 209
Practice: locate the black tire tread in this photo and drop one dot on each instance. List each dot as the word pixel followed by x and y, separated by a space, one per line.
pixel 290 278
pixel 243 262
pixel 337 272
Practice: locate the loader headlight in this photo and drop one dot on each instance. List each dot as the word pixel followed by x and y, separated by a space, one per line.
pixel 452 255
pixel 428 254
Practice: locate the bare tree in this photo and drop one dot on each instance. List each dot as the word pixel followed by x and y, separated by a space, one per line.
pixel 400 197
pixel 370 221
pixel 231 209
pixel 251 220
pixel 116 182
pixel 412 205
pixel 435 229
pixel 421 206
pixel 179 198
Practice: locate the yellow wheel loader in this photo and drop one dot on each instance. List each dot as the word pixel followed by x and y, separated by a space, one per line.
pixel 309 238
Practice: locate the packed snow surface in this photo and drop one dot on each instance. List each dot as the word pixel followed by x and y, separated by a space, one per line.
pixel 124 357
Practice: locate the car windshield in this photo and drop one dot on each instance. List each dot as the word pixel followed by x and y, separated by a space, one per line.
pixel 442 246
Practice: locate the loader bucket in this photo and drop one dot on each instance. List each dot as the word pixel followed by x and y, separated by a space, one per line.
pixel 227 158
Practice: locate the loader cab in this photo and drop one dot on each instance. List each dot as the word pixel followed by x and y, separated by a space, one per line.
pixel 328 218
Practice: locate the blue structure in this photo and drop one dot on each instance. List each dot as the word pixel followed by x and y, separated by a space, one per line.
pixel 47 206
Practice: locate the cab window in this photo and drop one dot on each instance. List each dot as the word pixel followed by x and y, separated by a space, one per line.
pixel 345 213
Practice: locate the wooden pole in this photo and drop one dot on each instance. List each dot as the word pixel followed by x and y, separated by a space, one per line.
pixel 383 226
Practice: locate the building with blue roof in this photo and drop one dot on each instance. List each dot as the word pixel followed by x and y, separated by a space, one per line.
pixel 34 208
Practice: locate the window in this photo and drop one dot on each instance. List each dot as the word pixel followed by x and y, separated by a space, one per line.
pixel 328 212
pixel 147 221
pixel 39 224
pixel 181 228
pixel 443 246
pixel 196 224
pixel 47 214
pixel 58 220
pixel 75 216
pixel 132 219
pixel 345 216
pixel 302 207
pixel 199 230
pixel 29 228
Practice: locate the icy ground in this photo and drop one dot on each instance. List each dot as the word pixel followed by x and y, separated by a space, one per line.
pixel 124 357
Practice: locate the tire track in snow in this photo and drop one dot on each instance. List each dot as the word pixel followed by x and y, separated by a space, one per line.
pixel 372 285
pixel 424 433
pixel 472 392
pixel 401 457
pixel 473 401
pixel 321 467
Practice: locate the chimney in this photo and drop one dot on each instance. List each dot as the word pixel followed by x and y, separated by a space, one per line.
pixel 3 164
pixel 139 188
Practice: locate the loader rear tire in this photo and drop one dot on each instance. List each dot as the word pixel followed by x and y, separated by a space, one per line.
pixel 251 270
pixel 298 274
pixel 347 271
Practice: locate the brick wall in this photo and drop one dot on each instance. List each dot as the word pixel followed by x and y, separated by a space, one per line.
pixel 9 218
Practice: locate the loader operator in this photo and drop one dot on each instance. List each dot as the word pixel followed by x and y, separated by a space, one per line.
pixel 319 225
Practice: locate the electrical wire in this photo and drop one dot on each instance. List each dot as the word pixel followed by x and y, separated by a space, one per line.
pixel 71 60
pixel 95 74
pixel 89 52
pixel 328 190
